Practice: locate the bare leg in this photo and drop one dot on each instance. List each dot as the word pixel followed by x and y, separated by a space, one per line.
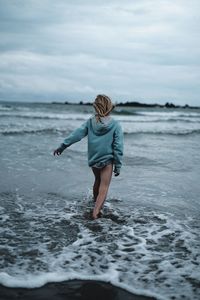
pixel 96 182
pixel 105 176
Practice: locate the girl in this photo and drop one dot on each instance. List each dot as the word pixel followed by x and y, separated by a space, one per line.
pixel 105 148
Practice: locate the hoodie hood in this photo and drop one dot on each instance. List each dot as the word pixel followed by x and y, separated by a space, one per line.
pixel 103 126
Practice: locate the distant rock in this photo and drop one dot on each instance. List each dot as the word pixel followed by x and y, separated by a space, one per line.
pixel 137 104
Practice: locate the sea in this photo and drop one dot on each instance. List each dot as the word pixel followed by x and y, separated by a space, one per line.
pixel 148 238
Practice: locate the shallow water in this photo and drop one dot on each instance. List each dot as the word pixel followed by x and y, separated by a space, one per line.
pixel 148 238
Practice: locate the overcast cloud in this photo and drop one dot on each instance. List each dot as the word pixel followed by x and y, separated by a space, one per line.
pixel 141 50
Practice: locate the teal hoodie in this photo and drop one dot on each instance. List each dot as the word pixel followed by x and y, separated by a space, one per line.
pixel 105 141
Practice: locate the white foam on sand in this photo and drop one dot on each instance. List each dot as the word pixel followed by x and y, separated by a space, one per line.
pixel 144 252
pixel 37 281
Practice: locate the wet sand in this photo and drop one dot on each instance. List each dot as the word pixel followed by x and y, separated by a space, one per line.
pixel 70 290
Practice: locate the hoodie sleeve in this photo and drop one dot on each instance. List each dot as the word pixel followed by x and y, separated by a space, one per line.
pixel 76 135
pixel 118 148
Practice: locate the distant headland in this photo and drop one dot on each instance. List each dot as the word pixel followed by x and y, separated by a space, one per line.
pixel 137 104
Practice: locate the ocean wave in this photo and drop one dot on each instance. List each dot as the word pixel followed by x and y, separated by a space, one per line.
pixel 165 132
pixel 170 113
pixel 21 131
pixel 45 116
pixel 31 131
pixel 139 118
pixel 24 111
pixel 5 107
pixel 125 112
pixel 10 107
pixel 158 120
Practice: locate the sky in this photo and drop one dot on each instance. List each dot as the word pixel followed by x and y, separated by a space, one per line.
pixel 72 50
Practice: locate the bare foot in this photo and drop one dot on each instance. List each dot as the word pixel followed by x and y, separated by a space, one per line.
pixel 96 214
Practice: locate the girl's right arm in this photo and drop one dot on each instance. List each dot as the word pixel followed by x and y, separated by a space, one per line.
pixel 74 137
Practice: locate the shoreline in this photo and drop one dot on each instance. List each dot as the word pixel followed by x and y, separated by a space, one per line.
pixel 71 290
pixel 134 104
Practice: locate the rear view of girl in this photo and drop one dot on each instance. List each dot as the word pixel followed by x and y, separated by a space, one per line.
pixel 105 148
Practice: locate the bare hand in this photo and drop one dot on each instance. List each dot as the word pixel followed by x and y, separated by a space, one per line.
pixel 57 152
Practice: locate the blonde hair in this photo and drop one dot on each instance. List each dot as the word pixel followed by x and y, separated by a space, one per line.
pixel 103 106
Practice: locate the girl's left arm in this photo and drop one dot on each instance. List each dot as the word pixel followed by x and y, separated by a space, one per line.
pixel 118 145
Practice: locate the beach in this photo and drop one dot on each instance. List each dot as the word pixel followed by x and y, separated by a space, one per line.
pixel 71 290
pixel 146 243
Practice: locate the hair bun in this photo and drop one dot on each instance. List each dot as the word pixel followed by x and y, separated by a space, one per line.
pixel 103 105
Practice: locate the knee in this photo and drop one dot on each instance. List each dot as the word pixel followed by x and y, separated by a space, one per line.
pixel 103 189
